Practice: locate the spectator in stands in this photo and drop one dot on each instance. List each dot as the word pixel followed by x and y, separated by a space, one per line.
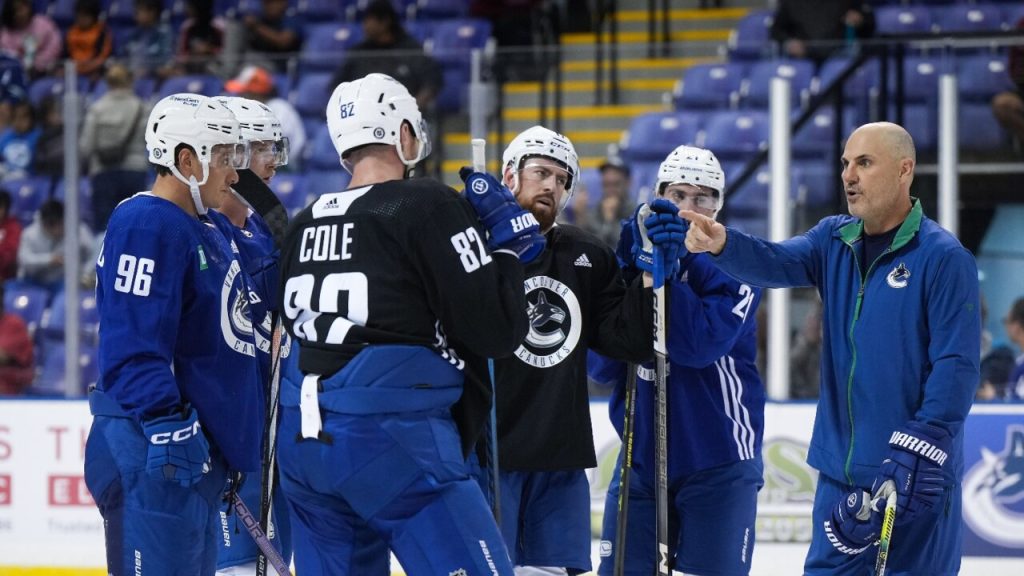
pixel 41 253
pixel 816 28
pixel 113 144
pixel 615 203
pixel 18 143
pixel 1014 324
pixel 201 39
pixel 272 35
pixel 805 357
pixel 514 28
pixel 49 156
pixel 149 47
pixel 387 48
pixel 1008 106
pixel 10 237
pixel 16 369
pixel 89 41
pixel 996 370
pixel 12 86
pixel 256 83
pixel 32 38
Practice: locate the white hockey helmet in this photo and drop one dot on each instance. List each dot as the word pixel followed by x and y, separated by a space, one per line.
pixel 201 123
pixel 539 141
pixel 692 165
pixel 258 123
pixel 371 110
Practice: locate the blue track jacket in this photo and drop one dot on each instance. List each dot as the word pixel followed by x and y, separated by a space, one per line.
pixel 901 344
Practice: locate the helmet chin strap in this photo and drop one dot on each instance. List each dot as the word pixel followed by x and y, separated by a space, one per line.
pixel 193 187
pixel 410 165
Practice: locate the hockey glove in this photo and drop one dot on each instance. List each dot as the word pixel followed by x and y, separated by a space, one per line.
pixel 264 274
pixel 509 226
pixel 854 524
pixel 913 468
pixel 661 227
pixel 178 450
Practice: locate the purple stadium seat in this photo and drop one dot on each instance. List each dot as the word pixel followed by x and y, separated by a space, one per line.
pixel 27 195
pixel 751 39
pixel 982 76
pixel 289 188
pixel 758 88
pixel 441 9
pixel 453 41
pixel 969 18
pixel 978 129
pixel 736 135
pixel 320 153
pixel 710 86
pixel 28 301
pixel 897 20
pixel 653 135
pixel 205 84
pixel 326 43
pixel 311 95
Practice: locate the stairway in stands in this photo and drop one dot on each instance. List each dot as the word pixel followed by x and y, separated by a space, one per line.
pixel 645 80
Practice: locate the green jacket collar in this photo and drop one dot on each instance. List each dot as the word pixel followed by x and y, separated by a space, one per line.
pixel 852 232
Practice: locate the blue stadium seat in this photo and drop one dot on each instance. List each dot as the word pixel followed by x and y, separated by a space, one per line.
pixel 421 30
pixel 921 122
pixel 897 20
pixel 321 154
pixel 757 89
pixel 289 188
pixel 27 195
pixel 55 319
pixel 815 138
pixel 455 89
pixel 815 184
pixel 858 86
pixel 452 41
pixel 84 197
pixel 326 44
pixel 982 76
pixel 1012 15
pixel 591 179
pixel 978 130
pixel 968 18
pixel 643 177
pixel 751 39
pixel 441 9
pixel 653 135
pixel 321 10
pixel 45 86
pixel 710 86
pixel 311 95
pixel 62 12
pixel 28 301
pixel 120 12
pixel 736 135
pixel 51 381
pixel 921 78
pixel 205 84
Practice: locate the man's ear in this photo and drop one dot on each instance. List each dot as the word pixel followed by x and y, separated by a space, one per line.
pixel 184 160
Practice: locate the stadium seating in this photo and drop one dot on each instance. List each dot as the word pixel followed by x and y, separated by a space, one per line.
pixel 815 184
pixel 982 76
pixel 121 14
pixel 751 39
pixel 62 12
pixel 710 86
pixel 736 135
pixel 643 177
pixel 326 43
pixel 440 9
pixel 28 301
pixel 84 197
pixel 45 86
pixel 452 41
pixel 27 195
pixel 897 20
pixel 978 129
pixel 311 95
pixel 968 17
pixel 325 181
pixel 815 138
pixel 205 84
pixel 288 186
pixel 757 89
pixel 55 318
pixel 51 378
pixel 653 135
pixel 320 152
pixel 858 87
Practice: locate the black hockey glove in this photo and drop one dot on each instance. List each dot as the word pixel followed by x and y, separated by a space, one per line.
pixel 509 226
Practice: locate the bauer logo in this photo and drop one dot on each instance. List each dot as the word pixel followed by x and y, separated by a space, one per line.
pixel 993 493
pixel 555 322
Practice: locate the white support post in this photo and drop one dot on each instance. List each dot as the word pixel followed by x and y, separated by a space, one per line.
pixel 779 229
pixel 72 247
pixel 949 161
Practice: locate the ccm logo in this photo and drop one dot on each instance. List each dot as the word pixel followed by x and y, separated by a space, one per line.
pixel 176 436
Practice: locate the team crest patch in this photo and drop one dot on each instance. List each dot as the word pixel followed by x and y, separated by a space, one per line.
pixel 555 322
pixel 899 276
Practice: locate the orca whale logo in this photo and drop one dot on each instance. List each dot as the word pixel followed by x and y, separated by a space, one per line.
pixel 993 490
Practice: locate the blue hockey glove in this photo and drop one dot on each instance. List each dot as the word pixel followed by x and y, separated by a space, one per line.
pixel 509 226
pixel 913 468
pixel 264 274
pixel 661 226
pixel 854 524
pixel 178 450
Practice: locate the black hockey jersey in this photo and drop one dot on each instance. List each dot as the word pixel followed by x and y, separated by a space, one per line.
pixel 576 299
pixel 400 262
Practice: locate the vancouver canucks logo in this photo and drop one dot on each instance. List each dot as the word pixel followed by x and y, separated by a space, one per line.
pixel 994 493
pixel 555 322
pixel 235 313
pixel 899 276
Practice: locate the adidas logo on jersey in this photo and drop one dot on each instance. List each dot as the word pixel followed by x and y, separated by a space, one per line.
pixel 332 203
pixel 583 261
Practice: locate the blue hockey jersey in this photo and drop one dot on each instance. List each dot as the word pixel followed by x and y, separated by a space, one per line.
pixel 175 324
pixel 716 397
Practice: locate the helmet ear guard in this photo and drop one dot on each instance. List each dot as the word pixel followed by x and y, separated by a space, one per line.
pixel 372 110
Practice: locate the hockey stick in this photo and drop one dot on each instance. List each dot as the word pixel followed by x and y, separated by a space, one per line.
pixel 886 537
pixel 624 471
pixel 260 537
pixel 661 413
pixel 262 199
pixel 479 151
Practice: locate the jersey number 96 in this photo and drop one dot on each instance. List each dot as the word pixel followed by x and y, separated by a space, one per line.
pixel 134 275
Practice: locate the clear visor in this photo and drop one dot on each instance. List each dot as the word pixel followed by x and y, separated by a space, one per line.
pixel 541 172
pixel 424 137
pixel 230 156
pixel 272 151
pixel 689 195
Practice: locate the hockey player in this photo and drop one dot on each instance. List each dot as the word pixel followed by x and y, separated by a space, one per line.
pixel 576 300
pixel 899 365
pixel 268 150
pixel 716 403
pixel 378 282
pixel 178 405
